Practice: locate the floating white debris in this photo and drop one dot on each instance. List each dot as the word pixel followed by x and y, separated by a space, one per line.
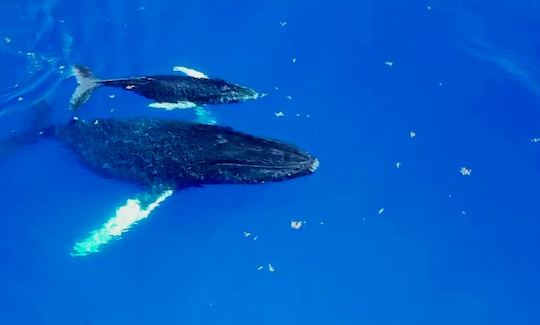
pixel 428 7
pixel 128 87
pixel 20 99
pixel 412 134
pixel 288 97
pixel 40 132
pixel 260 268
pixel 398 164
pixel 96 122
pixel 283 23
pixel 271 268
pixel 190 72
pixel 321 223
pixel 465 171
pixel 256 237
pixel 7 40
pixel 247 234
pixel 440 84
pixel 276 88
pixel 112 96
pixel 293 60
pixel 389 63
pixel 75 118
pixel 112 109
pixel 381 210
pixel 141 8
pixel 463 212
pixel 308 116
pixel 535 140
pixel 279 114
pixel 298 114
pixel 363 219
pixel 297 224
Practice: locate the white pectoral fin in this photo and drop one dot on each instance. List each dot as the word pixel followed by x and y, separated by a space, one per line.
pixel 173 106
pixel 127 215
pixel 190 72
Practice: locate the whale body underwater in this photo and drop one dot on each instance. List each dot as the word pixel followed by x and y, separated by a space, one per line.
pixel 163 154
pixel 167 91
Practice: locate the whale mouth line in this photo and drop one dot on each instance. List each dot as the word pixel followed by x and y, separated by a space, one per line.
pixel 250 165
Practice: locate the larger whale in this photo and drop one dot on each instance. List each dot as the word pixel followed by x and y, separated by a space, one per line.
pixel 163 156
pixel 167 91
pixel 158 154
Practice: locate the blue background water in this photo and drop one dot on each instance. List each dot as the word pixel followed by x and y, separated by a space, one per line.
pixel 447 249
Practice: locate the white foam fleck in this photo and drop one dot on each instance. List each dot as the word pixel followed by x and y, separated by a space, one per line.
pixel 381 210
pixel 389 63
pixel 297 224
pixel 288 97
pixel 283 23
pixel 260 268
pixel 7 40
pixel 465 171
pixel 535 140
pixel 271 268
pixel 398 164
pixel 412 134
pixel 279 114
pixel 293 60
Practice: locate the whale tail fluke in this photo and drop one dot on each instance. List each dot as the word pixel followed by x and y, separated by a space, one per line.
pixel 37 126
pixel 86 84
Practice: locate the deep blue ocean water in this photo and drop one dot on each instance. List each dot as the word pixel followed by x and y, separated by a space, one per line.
pixel 394 232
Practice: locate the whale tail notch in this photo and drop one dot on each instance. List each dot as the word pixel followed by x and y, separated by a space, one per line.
pixel 86 84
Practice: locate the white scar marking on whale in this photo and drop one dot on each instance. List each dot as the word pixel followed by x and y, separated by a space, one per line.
pixel 171 106
pixel 125 217
pixel 190 72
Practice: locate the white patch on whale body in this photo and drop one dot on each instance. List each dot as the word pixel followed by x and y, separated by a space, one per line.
pixel 172 106
pixel 190 72
pixel 125 217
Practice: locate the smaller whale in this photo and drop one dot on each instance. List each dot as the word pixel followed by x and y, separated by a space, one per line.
pixel 167 91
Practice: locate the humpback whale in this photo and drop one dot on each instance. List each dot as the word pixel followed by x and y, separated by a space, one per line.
pixel 163 156
pixel 158 153
pixel 167 91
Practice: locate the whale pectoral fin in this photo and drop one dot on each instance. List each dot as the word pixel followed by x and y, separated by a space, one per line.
pixel 190 72
pixel 127 215
pixel 173 106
